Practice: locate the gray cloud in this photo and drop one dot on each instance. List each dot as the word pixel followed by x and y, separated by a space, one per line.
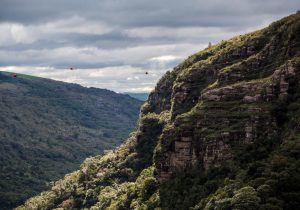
pixel 147 13
pixel 121 38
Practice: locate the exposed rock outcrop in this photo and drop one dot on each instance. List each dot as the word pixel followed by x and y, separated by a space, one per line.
pixel 225 99
pixel 226 116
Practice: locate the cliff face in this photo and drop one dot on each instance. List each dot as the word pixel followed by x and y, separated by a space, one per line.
pixel 224 117
pixel 222 97
pixel 218 132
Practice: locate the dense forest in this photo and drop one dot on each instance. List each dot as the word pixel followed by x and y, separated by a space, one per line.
pixel 47 128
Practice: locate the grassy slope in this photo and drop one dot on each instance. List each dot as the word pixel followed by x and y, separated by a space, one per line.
pixel 48 127
pixel 262 175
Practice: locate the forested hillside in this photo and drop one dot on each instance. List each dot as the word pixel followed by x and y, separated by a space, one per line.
pixel 47 128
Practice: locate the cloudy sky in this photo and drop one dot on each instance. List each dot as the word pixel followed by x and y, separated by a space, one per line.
pixel 112 43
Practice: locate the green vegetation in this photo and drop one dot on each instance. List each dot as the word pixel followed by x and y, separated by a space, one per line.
pixel 220 132
pixel 47 128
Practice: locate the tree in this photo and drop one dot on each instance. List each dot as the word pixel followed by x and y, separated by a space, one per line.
pixel 245 199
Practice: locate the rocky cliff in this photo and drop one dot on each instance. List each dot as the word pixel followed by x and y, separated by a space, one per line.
pixel 221 131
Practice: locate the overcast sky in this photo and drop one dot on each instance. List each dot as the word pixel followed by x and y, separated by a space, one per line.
pixel 112 43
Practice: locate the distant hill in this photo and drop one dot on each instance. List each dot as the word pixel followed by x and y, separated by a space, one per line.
pixel 139 96
pixel 47 128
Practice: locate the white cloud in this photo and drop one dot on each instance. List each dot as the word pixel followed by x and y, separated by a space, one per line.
pixel 16 33
pixel 114 78
pixel 12 33
pixel 165 58
pixel 74 24
pixel 86 56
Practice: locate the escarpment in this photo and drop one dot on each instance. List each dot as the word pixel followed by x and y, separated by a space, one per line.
pixel 226 99
pixel 224 117
pixel 220 131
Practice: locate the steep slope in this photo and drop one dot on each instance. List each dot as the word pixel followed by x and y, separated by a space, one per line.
pixel 221 131
pixel 47 128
